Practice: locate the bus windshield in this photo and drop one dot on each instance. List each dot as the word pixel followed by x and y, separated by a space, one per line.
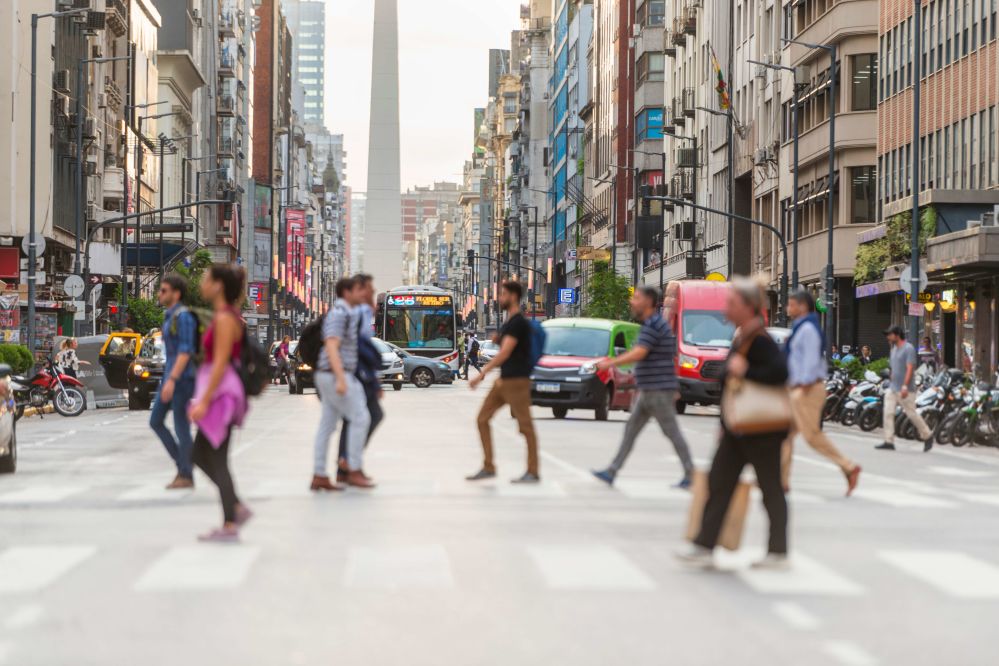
pixel 413 327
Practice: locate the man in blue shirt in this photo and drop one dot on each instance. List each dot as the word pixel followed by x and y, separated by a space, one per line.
pixel 655 375
pixel 807 370
pixel 180 339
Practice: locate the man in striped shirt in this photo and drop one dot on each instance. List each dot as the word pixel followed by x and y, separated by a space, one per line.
pixel 655 376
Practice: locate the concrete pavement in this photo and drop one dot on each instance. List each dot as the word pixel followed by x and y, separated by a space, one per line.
pixel 98 564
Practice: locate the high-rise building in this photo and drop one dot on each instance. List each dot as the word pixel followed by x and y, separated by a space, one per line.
pixel 307 23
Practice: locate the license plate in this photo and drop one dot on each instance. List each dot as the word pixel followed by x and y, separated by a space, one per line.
pixel 548 388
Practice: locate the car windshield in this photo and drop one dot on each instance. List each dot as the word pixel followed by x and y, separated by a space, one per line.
pixel 707 328
pixel 381 346
pixel 568 341
pixel 489 345
pixel 153 348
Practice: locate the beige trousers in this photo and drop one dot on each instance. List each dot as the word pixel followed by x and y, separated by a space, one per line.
pixel 806 406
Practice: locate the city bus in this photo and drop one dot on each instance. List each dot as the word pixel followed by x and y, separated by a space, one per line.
pixel 422 321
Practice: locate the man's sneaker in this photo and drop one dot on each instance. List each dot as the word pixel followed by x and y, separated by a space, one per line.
pixel 684 483
pixel 605 475
pixel 852 477
pixel 481 475
pixel 527 478
pixel 885 446
pixel 773 561
pixel 928 444
pixel 696 556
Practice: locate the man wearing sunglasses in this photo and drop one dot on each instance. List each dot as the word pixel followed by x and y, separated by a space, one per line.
pixel 180 340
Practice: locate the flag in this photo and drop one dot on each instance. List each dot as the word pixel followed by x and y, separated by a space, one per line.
pixel 721 87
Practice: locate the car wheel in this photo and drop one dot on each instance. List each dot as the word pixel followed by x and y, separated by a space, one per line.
pixel 560 412
pixel 299 389
pixel 603 410
pixel 134 402
pixel 8 463
pixel 422 377
pixel 396 386
pixel 681 407
pixel 291 388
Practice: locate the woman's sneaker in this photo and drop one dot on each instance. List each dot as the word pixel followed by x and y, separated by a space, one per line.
pixel 696 556
pixel 220 535
pixel 773 561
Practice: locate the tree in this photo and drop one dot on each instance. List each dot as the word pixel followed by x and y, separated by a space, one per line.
pixel 144 314
pixel 607 294
pixel 200 262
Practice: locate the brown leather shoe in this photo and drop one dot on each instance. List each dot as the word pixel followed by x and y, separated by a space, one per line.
pixel 342 471
pixel 358 479
pixel 180 482
pixel 852 477
pixel 323 483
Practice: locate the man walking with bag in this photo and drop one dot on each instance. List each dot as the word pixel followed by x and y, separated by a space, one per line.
pixel 342 394
pixel 655 375
pixel 512 388
pixel 472 354
pixel 180 341
pixel 807 370
pixel 901 390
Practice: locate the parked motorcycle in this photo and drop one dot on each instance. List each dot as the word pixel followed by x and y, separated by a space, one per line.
pixel 862 394
pixel 838 388
pixel 48 385
pixel 979 419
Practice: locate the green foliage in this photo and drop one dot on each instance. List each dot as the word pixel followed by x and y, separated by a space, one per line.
pixel 580 163
pixel 872 260
pixel 16 356
pixel 200 262
pixel 856 369
pixel 144 314
pixel 607 294
pixel 896 246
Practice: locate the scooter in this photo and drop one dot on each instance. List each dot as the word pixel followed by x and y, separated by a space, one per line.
pixel 858 397
pixel 48 384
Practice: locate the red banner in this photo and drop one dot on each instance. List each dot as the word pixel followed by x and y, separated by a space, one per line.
pixel 296 250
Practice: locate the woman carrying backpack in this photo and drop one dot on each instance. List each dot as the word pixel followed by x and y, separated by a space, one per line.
pixel 220 398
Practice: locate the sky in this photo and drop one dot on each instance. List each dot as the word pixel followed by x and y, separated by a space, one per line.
pixel 443 76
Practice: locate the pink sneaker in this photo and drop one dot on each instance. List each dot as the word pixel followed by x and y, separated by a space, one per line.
pixel 243 515
pixel 220 535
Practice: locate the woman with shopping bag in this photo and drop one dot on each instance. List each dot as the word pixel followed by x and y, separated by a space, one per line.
pixel 755 419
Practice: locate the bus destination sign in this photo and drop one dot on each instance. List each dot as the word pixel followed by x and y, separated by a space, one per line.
pixel 419 300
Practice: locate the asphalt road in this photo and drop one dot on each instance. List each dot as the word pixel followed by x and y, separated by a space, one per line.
pixel 99 564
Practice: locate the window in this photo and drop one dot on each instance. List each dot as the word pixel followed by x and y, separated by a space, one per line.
pixel 651 67
pixel 649 125
pixel 865 75
pixel 652 13
pixel 862 195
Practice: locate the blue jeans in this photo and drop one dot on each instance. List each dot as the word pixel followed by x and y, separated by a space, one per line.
pixel 180 449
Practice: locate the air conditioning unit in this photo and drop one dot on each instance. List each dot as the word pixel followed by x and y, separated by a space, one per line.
pixel 90 127
pixel 102 100
pixel 81 4
pixel 91 212
pixel 762 156
pixel 71 150
pixel 801 76
pixel 97 51
pixel 683 231
pixel 60 81
pixel 196 17
pixel 61 106
pixel 761 72
pixel 636 30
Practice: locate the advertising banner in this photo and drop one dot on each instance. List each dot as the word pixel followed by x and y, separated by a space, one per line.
pixel 261 255
pixel 262 207
pixel 295 258
pixel 10 318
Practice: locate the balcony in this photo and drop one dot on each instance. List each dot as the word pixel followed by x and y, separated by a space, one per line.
pixel 227 147
pixel 227 25
pixel 227 64
pixel 688 20
pixel 677 36
pixel 670 45
pixel 676 111
pixel 687 102
pixel 114 183
pixel 116 17
pixel 226 105
pixel 971 252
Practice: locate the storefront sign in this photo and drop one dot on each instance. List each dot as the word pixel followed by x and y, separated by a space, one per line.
pixel 916 309
pixel 877 288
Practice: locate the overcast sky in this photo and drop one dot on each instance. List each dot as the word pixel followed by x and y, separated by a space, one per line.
pixel 443 60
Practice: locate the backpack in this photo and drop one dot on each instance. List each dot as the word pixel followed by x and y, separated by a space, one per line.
pixel 202 320
pixel 254 365
pixel 538 337
pixel 475 347
pixel 310 343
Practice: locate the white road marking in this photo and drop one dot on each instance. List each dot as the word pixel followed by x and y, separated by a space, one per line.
pixel 980 457
pixel 280 488
pixel 23 617
pixel 953 573
pixel 992 499
pixel 199 567
pixel 41 494
pixel 398 567
pixel 956 471
pixel 31 568
pixel 542 489
pixel 849 653
pixel 805 576
pixel 578 472
pixel 795 616
pixel 902 498
pixel 647 489
pixel 4 652
pixel 152 491
pixel 588 568
pixel 48 440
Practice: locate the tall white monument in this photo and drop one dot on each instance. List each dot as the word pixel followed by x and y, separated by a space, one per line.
pixel 383 217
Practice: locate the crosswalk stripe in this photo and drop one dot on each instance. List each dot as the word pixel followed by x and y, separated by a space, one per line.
pixel 199 567
pixel 646 489
pixel 31 568
pixel 956 471
pixel 588 568
pixel 23 617
pixel 849 653
pixel 795 615
pixel 152 491
pixel 953 573
pixel 805 576
pixel 543 489
pixel 992 499
pixel 903 498
pixel 398 567
pixel 41 494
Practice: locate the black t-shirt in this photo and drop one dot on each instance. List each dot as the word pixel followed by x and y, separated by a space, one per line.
pixel 518 365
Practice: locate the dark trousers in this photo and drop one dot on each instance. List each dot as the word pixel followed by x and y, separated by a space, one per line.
pixel 377 414
pixel 763 453
pixel 474 362
pixel 215 464
pixel 179 448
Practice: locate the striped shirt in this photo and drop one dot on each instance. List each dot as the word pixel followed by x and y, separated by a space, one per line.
pixel 656 371
pixel 341 323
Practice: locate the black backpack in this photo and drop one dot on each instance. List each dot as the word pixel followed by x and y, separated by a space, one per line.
pixel 310 343
pixel 254 366
pixel 475 347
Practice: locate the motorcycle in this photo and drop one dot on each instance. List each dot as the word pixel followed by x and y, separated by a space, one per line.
pixel 48 384
pixel 979 418
pixel 837 389
pixel 860 395
pixel 871 410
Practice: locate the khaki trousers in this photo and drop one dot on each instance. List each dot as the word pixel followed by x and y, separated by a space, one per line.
pixel 515 392
pixel 806 406
pixel 892 400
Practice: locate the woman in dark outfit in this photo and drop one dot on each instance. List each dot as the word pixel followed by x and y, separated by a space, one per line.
pixel 763 363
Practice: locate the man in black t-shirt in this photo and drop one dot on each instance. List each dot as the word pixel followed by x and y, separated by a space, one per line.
pixel 512 388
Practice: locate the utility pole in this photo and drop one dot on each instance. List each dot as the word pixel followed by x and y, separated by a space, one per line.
pixel 916 172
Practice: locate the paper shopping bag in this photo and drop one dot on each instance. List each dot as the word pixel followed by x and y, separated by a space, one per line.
pixel 730 536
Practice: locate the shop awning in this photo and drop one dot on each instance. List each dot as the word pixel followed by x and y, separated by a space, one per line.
pixel 969 253
pixel 149 254
pixel 878 288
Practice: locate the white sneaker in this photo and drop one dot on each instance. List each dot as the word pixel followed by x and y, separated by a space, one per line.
pixel 773 561
pixel 696 556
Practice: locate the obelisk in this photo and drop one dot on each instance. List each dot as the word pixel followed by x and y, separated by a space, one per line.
pixel 383 256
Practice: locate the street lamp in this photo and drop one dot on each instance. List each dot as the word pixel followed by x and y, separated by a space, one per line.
pixel 830 277
pixel 917 181
pixel 183 188
pixel 534 257
pixel 730 122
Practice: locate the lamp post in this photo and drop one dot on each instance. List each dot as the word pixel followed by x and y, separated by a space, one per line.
pixel 534 257
pixel 662 214
pixel 183 187
pixel 830 201
pixel 139 139
pixel 917 181
pixel 730 141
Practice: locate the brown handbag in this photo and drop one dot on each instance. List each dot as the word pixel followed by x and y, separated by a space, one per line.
pixel 752 408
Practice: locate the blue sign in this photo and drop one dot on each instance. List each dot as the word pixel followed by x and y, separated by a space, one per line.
pixel 567 296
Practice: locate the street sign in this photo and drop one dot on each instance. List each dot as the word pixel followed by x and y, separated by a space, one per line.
pixel 73 286
pixel 567 296
pixel 715 277
pixel 570 255
pixel 591 254
pixel 39 245
pixel 905 280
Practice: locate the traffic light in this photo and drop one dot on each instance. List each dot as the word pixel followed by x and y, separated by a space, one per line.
pixel 471 258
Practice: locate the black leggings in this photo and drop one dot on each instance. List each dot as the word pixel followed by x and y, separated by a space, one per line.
pixel 763 453
pixel 215 464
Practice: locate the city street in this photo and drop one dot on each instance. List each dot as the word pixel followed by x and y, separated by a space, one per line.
pixel 99 565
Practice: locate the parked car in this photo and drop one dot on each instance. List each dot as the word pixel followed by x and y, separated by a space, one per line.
pixel 300 373
pixel 566 376
pixel 134 363
pixel 423 372
pixel 779 335
pixel 394 367
pixel 487 350
pixel 8 425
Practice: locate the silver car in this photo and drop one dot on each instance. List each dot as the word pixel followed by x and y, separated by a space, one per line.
pixel 393 372
pixel 424 372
